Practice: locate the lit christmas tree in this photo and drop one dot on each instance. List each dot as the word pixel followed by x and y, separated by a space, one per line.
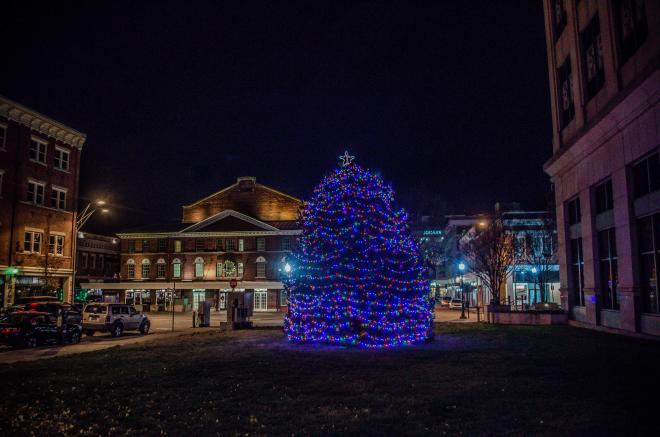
pixel 357 278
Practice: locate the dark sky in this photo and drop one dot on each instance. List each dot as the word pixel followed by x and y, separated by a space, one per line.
pixel 448 100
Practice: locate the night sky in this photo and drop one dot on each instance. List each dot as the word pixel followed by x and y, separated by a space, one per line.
pixel 448 100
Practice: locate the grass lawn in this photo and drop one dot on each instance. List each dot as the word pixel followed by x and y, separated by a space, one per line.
pixel 474 379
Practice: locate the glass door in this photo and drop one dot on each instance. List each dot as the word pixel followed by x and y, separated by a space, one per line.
pixel 260 300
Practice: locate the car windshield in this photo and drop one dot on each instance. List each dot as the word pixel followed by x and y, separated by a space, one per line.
pixel 456 301
pixel 96 309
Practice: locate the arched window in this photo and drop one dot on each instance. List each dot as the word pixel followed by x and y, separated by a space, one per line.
pixel 230 269
pixel 199 267
pixel 146 264
pixel 261 267
pixel 130 268
pixel 176 268
pixel 160 268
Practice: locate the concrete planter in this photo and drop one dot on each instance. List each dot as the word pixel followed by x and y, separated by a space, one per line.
pixel 529 317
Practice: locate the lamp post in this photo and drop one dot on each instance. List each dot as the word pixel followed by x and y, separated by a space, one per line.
pixel 81 219
pixel 534 271
pixel 461 267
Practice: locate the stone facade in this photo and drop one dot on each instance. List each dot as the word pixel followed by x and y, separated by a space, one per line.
pixel 39 171
pixel 604 60
pixel 244 232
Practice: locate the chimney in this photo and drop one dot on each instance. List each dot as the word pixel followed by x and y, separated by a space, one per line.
pixel 246 183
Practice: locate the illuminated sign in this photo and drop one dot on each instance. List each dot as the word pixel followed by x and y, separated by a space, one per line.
pixel 432 232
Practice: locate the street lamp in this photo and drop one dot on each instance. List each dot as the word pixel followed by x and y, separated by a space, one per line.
pixel 461 268
pixel 81 219
pixel 534 270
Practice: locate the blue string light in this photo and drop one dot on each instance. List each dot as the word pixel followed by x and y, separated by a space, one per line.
pixel 358 279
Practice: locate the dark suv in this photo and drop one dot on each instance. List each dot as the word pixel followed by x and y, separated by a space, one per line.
pixel 68 312
pixel 32 328
pixel 114 318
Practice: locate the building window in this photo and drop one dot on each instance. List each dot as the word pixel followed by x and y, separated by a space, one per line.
pixel 230 244
pixel 604 199
pixel 260 300
pixel 176 268
pixel 3 136
pixel 84 260
pixel 574 211
pixel 200 245
pixel 130 269
pixel 230 269
pixel 565 93
pixel 241 245
pixel 177 246
pixel 608 268
pixel 218 245
pixel 32 241
pixel 35 192
pixel 58 198
pixel 286 243
pixel 160 268
pixel 577 271
pixel 199 267
pixel 56 244
pixel 284 298
pixel 239 272
pixel 219 269
pixel 162 245
pixel 101 262
pixel 631 18
pixel 146 264
pixel 558 17
pixel 646 175
pixel 61 159
pixel 592 57
pixel 649 244
pixel 146 246
pixel 261 267
pixel 261 244
pixel 131 246
pixel 38 150
pixel 92 261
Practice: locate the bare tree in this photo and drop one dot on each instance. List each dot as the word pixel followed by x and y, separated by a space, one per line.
pixel 490 253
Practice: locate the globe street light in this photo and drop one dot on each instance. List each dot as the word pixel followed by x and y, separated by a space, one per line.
pixel 461 268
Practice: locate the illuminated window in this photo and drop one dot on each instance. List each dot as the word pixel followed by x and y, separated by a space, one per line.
pixel 199 267
pixel 130 268
pixel 219 269
pixel 239 272
pixel 32 241
pixel 61 161
pixel 261 244
pixel 146 265
pixel 58 198
pixel 35 192
pixel 56 244
pixel 284 298
pixel 38 150
pixel 241 245
pixel 176 268
pixel 177 246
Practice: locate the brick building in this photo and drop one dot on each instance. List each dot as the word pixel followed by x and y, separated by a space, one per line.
pixel 98 263
pixel 39 171
pixel 604 68
pixel 243 232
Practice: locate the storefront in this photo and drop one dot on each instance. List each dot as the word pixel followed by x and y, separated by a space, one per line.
pixel 28 286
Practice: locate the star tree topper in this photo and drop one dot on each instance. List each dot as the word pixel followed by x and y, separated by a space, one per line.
pixel 346 159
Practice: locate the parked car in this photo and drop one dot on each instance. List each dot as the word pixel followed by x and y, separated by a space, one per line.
pixel 32 328
pixel 445 300
pixel 70 314
pixel 455 304
pixel 114 318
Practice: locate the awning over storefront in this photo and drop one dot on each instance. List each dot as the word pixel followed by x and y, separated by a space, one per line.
pixel 183 285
